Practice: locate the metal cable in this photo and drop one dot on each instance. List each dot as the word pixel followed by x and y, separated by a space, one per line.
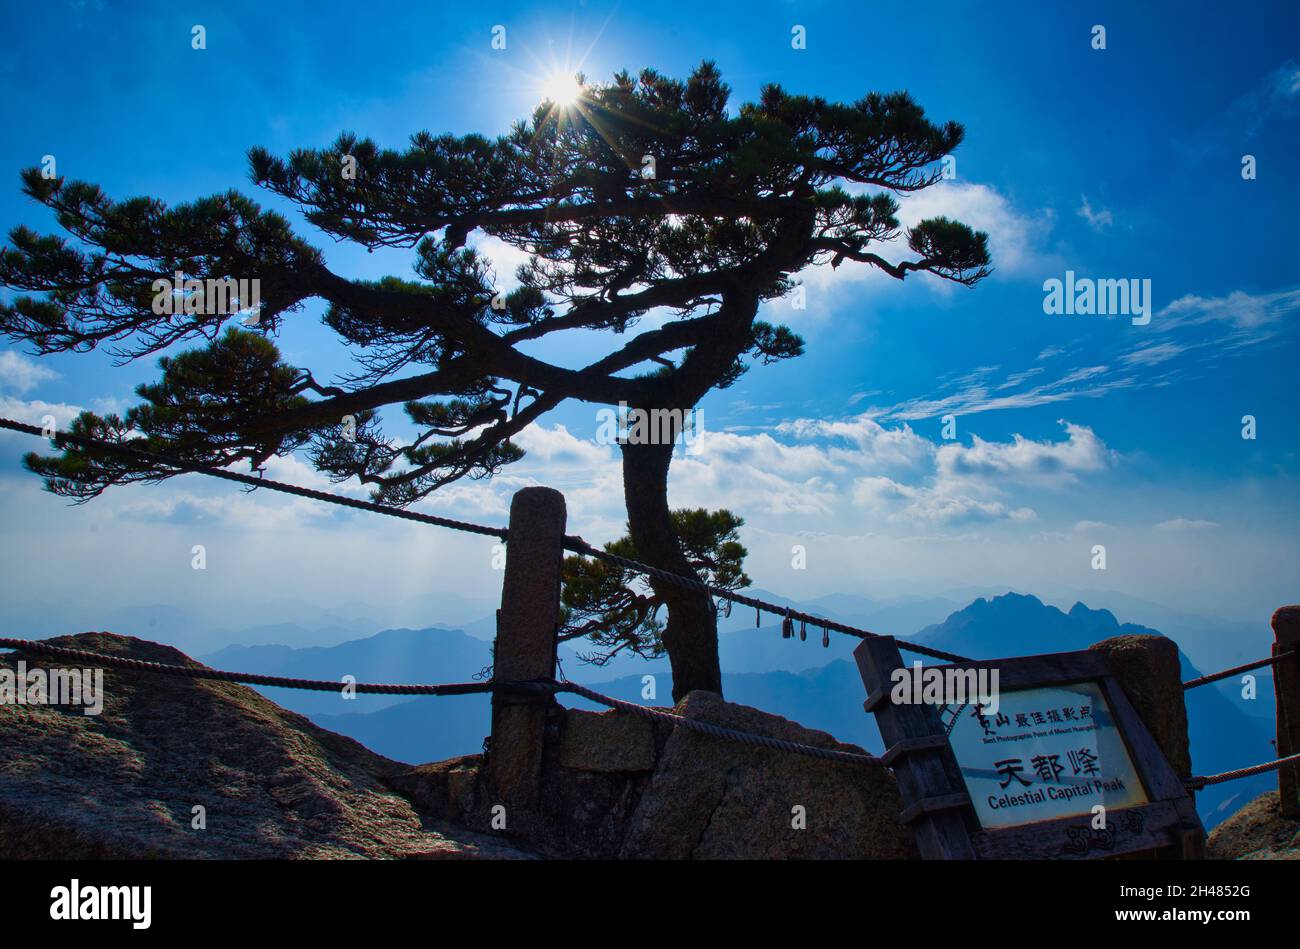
pixel 1200 781
pixel 572 544
pixel 1227 673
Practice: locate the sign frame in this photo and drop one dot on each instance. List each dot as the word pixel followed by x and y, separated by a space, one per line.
pixel 938 807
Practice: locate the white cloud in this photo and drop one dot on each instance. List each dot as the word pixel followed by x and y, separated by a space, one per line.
pixel 1183 524
pixel 1154 354
pixel 979 394
pixel 35 411
pixel 1240 310
pixel 830 472
pixel 1277 96
pixel 1016 239
pixel 505 259
pixel 20 374
pixel 864 439
pixel 1098 220
pixel 931 504
pixel 1023 460
pixel 1088 527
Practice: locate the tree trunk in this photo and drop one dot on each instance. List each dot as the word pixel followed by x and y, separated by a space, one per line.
pixel 691 634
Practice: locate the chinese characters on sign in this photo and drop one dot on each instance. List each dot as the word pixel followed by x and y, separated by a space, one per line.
pixel 1045 754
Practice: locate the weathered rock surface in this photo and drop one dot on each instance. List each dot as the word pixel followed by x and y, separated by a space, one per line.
pixel 1256 832
pixel 123 783
pixel 712 798
pixel 614 785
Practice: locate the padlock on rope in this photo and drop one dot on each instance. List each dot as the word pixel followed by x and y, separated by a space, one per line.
pixel 787 626
pixel 803 631
pixel 826 638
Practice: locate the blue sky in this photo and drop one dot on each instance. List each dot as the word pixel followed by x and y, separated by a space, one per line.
pixel 1072 431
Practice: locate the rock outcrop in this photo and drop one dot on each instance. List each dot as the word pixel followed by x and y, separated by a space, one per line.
pixel 1256 832
pixel 125 783
pixel 614 785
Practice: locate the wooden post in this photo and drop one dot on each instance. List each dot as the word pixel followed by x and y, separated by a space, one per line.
pixel 935 802
pixel 526 644
pixel 1286 685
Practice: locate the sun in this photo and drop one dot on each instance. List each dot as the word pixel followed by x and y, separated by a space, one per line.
pixel 562 89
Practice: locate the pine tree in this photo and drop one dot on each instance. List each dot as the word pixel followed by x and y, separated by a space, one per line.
pixel 646 194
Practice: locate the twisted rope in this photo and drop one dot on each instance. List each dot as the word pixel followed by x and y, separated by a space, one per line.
pixel 270 485
pixel 579 546
pixel 1227 673
pixel 717 731
pixel 1200 781
pixel 535 688
pixel 572 544
pixel 248 678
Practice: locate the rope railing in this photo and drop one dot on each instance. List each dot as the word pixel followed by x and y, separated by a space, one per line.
pixel 1235 670
pixel 572 544
pixel 578 546
pixel 283 487
pixel 36 647
pixel 533 687
pixel 1201 781
pixel 717 731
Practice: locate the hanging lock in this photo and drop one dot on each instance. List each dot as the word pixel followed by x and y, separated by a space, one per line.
pixel 803 631
pixel 826 638
pixel 787 627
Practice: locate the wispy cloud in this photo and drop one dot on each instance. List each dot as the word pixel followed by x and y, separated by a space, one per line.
pixel 1184 524
pixel 973 395
pixel 1099 219
pixel 1277 95
pixel 20 374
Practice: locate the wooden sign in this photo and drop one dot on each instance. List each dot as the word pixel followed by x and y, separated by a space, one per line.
pixel 1053 764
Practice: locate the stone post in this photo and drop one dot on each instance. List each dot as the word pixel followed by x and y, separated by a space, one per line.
pixel 525 647
pixel 1286 685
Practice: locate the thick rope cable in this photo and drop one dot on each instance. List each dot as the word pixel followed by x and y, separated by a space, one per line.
pixel 534 687
pixel 572 544
pixel 717 731
pixel 34 647
pixel 1200 781
pixel 283 487
pixel 1235 670
pixel 578 546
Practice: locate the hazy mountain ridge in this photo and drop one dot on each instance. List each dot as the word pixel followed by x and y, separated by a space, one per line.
pixel 820 688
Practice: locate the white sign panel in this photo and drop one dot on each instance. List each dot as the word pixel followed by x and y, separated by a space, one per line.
pixel 1045 754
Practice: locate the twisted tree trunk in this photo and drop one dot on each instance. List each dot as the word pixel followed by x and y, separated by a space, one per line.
pixel 691 634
